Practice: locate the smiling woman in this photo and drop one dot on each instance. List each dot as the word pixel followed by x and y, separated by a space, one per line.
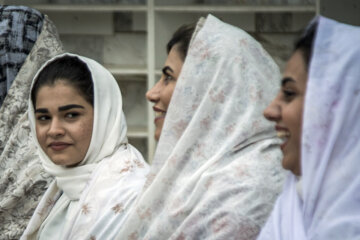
pixel 162 92
pixel 64 111
pixel 216 172
pixel 286 110
pixel 320 199
pixel 63 123
pixel 84 146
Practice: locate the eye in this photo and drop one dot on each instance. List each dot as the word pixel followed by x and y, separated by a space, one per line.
pixel 168 78
pixel 43 118
pixel 288 94
pixel 72 115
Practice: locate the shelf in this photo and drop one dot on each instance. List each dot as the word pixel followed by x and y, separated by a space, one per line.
pixel 118 71
pixel 237 9
pixel 137 132
pixel 88 8
pixel 171 8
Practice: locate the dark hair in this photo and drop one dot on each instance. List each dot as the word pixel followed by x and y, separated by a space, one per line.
pixel 69 69
pixel 182 37
pixel 306 41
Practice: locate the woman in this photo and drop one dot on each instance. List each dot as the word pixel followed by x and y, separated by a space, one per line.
pixel 76 117
pixel 320 93
pixel 216 172
pixel 22 178
pixel 161 93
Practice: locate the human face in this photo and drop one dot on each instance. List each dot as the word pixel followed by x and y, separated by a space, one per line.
pixel 161 93
pixel 287 110
pixel 64 123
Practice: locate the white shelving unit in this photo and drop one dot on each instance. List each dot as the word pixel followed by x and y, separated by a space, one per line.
pixel 234 9
pixel 130 40
pixel 88 8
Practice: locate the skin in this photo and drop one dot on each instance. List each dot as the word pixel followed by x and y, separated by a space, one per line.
pixel 64 123
pixel 162 92
pixel 287 110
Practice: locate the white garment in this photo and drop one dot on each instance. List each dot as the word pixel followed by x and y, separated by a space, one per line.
pixel 97 194
pixel 330 145
pixel 216 172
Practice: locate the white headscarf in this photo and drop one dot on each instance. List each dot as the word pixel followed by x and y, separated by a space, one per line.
pixel 109 177
pixel 330 205
pixel 216 172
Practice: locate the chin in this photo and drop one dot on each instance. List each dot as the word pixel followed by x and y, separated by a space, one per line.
pixel 157 134
pixel 291 165
pixel 287 163
pixel 62 162
pixel 59 162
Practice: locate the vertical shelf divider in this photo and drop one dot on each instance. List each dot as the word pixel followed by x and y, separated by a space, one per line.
pixel 150 75
pixel 317 5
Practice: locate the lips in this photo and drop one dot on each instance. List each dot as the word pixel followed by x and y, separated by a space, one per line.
pixel 284 134
pixel 58 146
pixel 159 114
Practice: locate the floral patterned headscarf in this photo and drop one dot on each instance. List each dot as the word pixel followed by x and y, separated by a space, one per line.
pixel 216 172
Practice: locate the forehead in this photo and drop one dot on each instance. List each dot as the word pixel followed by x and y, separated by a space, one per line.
pixel 174 59
pixel 296 67
pixel 58 93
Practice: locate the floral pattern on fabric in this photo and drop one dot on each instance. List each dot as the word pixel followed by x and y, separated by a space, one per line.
pixel 216 172
pixel 22 178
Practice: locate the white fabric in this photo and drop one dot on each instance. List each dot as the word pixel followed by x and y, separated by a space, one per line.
pixel 330 145
pixel 216 172
pixel 107 180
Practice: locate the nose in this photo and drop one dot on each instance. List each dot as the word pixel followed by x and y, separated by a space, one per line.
pixel 153 94
pixel 273 111
pixel 56 128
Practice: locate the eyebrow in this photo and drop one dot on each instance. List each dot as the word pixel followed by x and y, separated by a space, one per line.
pixel 285 80
pixel 62 108
pixel 167 68
pixel 41 110
pixel 70 106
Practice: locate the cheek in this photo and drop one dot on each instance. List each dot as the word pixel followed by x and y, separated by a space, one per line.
pixel 297 130
pixel 298 119
pixel 296 125
pixel 293 118
pixel 84 131
pixel 168 93
pixel 41 135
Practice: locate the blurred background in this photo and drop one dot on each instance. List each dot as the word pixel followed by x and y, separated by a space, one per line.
pixel 129 37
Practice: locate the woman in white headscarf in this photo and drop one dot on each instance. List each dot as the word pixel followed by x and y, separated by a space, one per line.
pixel 317 112
pixel 76 119
pixel 216 172
pixel 27 40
